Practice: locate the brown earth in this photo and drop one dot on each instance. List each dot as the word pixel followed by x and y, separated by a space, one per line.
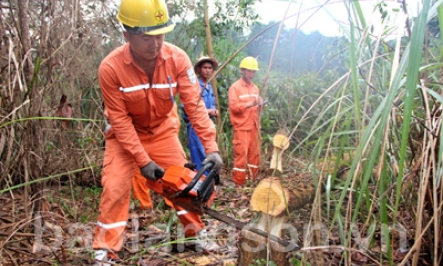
pixel 62 233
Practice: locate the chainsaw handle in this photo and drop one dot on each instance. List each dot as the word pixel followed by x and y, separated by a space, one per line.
pixel 197 177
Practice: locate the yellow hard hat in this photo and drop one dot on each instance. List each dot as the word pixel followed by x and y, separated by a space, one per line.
pixel 203 59
pixel 145 16
pixel 249 63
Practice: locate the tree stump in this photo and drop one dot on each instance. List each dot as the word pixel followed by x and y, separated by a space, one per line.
pixel 274 197
pixel 253 250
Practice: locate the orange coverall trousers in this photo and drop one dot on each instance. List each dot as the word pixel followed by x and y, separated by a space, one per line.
pixel 142 192
pixel 117 179
pixel 139 189
pixel 246 155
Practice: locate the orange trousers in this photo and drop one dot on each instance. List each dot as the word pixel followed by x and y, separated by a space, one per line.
pixel 246 155
pixel 117 179
pixel 142 192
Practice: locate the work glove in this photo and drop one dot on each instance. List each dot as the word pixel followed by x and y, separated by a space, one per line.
pixel 216 159
pixel 191 166
pixel 152 171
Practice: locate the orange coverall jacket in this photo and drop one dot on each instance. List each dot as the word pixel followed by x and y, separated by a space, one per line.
pixel 137 108
pixel 239 94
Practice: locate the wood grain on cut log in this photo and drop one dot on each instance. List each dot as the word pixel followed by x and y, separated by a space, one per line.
pixel 270 197
pixel 275 195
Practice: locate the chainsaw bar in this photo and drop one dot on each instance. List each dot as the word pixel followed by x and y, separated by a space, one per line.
pixel 291 246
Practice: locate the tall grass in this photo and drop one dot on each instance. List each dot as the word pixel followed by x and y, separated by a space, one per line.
pixel 386 114
pixel 381 118
pixel 48 57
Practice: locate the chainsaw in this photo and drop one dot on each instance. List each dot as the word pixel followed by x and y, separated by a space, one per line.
pixel 195 192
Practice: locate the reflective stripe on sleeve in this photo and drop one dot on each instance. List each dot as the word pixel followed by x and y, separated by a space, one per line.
pixel 239 169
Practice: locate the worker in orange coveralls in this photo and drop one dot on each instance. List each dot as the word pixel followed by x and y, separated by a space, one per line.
pixel 244 107
pixel 139 81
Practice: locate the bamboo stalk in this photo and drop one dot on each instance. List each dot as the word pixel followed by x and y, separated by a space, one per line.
pixel 213 80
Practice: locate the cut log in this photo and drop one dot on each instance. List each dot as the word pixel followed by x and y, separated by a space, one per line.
pixel 270 197
pixel 275 195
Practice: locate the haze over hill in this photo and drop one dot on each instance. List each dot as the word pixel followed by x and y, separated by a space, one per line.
pixel 330 18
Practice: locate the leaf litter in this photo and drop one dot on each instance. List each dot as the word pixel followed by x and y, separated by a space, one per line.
pixel 62 233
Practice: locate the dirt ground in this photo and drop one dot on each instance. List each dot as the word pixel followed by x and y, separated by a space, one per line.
pixel 62 233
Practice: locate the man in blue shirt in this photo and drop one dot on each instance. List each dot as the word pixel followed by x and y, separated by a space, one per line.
pixel 204 68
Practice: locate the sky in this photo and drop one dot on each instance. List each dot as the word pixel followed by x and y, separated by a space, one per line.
pixel 331 19
pixel 327 19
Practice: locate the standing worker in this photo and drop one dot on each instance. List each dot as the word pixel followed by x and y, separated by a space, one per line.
pixel 244 107
pixel 139 81
pixel 204 68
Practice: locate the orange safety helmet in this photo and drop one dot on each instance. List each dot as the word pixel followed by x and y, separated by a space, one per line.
pixel 150 17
